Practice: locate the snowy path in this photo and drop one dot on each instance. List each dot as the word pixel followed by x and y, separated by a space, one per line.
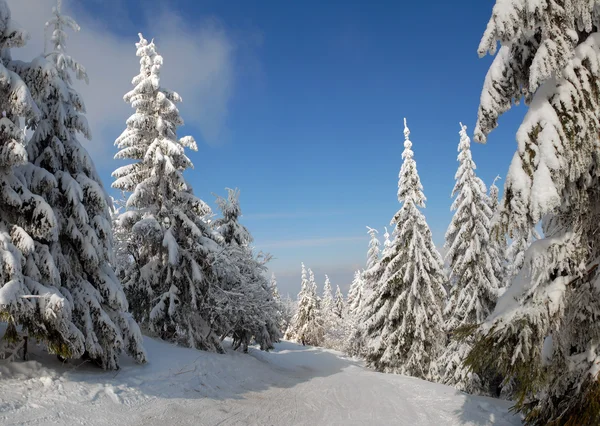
pixel 291 385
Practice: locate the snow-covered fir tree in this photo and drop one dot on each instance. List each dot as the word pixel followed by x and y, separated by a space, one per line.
pixel 387 243
pixel 404 326
pixel 317 325
pixel 494 197
pixel 333 325
pixel 288 310
pixel 368 280
pixel 172 246
pixel 306 326
pixel 63 173
pixel 327 305
pixel 121 238
pixel 372 273
pixel 497 237
pixel 355 294
pixel 475 271
pixel 252 307
pixel 274 288
pixel 281 309
pixel 339 303
pixel 545 332
pixel 29 280
pixel 374 250
pixel 515 254
pixel 294 329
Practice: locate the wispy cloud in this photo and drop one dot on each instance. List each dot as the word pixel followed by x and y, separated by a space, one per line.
pixel 199 64
pixel 309 242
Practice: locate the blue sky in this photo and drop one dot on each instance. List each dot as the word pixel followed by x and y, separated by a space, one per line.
pixel 300 105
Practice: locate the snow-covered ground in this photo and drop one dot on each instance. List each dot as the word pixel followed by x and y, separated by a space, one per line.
pixel 292 385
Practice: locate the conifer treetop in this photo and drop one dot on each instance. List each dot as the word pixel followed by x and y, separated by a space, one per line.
pixel 410 189
pixel 151 139
pixel 58 39
pixel 374 250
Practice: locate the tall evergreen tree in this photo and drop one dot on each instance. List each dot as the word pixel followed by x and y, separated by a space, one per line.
pixel 494 196
pixel 353 317
pixel 387 243
pixel 339 302
pixel 172 246
pixel 545 331
pixel 366 283
pixel 515 254
pixel 497 239
pixel 306 326
pixel 333 327
pixel 373 271
pixel 255 311
pixel 29 280
pixel 288 310
pixel 355 294
pixel 274 288
pixel 281 309
pixel 475 272
pixel 404 314
pixel 62 172
pixel 299 319
pixel 327 304
pixel 374 250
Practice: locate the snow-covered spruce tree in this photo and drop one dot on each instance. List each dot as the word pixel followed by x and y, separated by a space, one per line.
pixel 294 329
pixel 375 267
pixel 333 326
pixel 511 257
pixel 475 272
pixel 274 288
pixel 173 248
pixel 494 196
pixel 387 243
pixel 354 329
pixel 355 294
pixel 288 310
pixel 498 238
pixel 62 172
pixel 306 326
pixel 327 305
pixel 373 253
pixel 545 331
pixel 282 316
pixel 515 253
pixel 339 304
pixel 121 238
pixel 29 280
pixel 405 325
pixel 355 339
pixel 372 274
pixel 317 325
pixel 255 312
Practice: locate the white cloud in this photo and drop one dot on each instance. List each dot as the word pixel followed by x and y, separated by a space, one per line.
pixel 199 64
